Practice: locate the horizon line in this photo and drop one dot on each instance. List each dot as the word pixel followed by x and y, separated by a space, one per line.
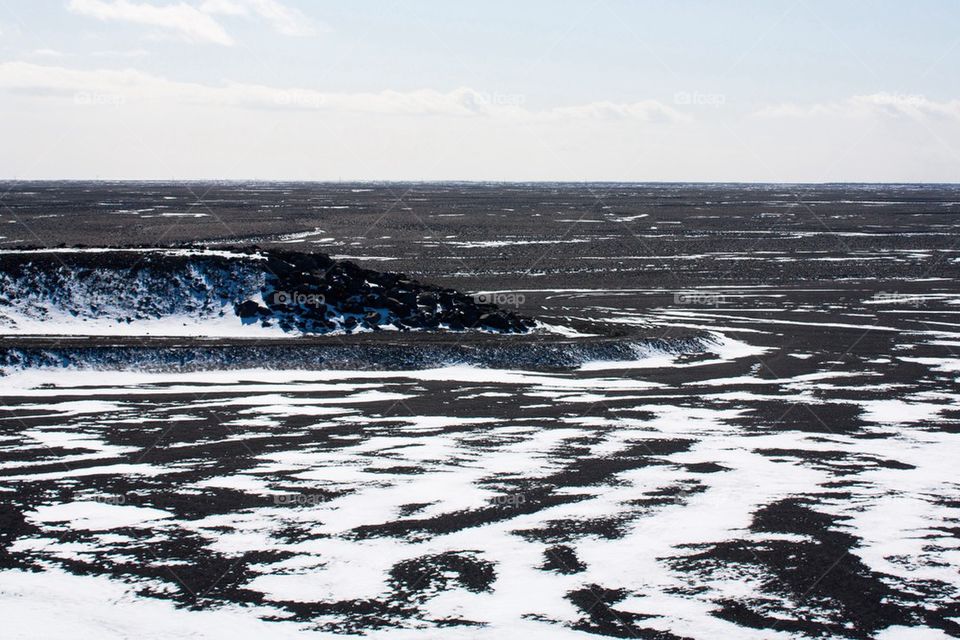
pixel 466 181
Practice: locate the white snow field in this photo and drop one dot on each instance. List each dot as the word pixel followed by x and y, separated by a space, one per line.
pixel 665 497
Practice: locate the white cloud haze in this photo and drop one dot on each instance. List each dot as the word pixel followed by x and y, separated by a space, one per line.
pixel 283 19
pixel 239 89
pixel 882 104
pixel 130 86
pixel 181 18
pixel 197 23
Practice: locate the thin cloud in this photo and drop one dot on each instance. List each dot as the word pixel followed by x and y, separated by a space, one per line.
pixel 131 86
pixel 182 19
pixel 289 22
pixel 224 7
pixel 882 104
pixel 283 19
pixel 48 53
pixel 645 110
pixel 128 53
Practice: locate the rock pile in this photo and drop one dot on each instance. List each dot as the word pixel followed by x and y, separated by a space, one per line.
pixel 314 294
pixel 296 292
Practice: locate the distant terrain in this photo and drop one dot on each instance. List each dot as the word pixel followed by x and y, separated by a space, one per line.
pixel 738 418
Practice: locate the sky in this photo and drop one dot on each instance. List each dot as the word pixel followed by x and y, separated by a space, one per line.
pixel 524 90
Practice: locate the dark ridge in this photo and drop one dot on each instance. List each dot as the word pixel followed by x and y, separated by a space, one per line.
pixel 332 352
pixel 328 314
pixel 297 292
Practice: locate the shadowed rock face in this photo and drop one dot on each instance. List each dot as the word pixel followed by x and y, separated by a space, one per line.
pixel 296 292
pixel 312 293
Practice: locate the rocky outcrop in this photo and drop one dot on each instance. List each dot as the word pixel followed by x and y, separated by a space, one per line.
pixel 313 293
pixel 294 292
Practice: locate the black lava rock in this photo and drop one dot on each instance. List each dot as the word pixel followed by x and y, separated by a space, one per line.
pixel 250 309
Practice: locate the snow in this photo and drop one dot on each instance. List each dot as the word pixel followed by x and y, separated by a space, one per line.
pixel 723 347
pixel 48 604
pixel 95 516
pixel 222 324
pixel 366 445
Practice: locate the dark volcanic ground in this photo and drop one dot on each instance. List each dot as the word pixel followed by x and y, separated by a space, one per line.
pixel 794 479
pixel 646 242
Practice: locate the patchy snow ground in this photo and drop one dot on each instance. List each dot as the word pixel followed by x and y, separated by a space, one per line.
pixel 742 493
pixel 796 480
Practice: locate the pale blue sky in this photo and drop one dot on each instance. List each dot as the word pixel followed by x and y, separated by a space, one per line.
pixel 804 90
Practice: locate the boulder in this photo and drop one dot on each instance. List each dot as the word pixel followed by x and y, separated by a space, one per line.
pixel 497 320
pixel 353 292
pixel 428 299
pixel 374 300
pixel 250 309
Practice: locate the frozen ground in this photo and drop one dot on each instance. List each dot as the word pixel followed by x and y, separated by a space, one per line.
pixel 796 479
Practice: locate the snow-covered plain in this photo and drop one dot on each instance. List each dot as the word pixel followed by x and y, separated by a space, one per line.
pixel 794 479
pixel 471 503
